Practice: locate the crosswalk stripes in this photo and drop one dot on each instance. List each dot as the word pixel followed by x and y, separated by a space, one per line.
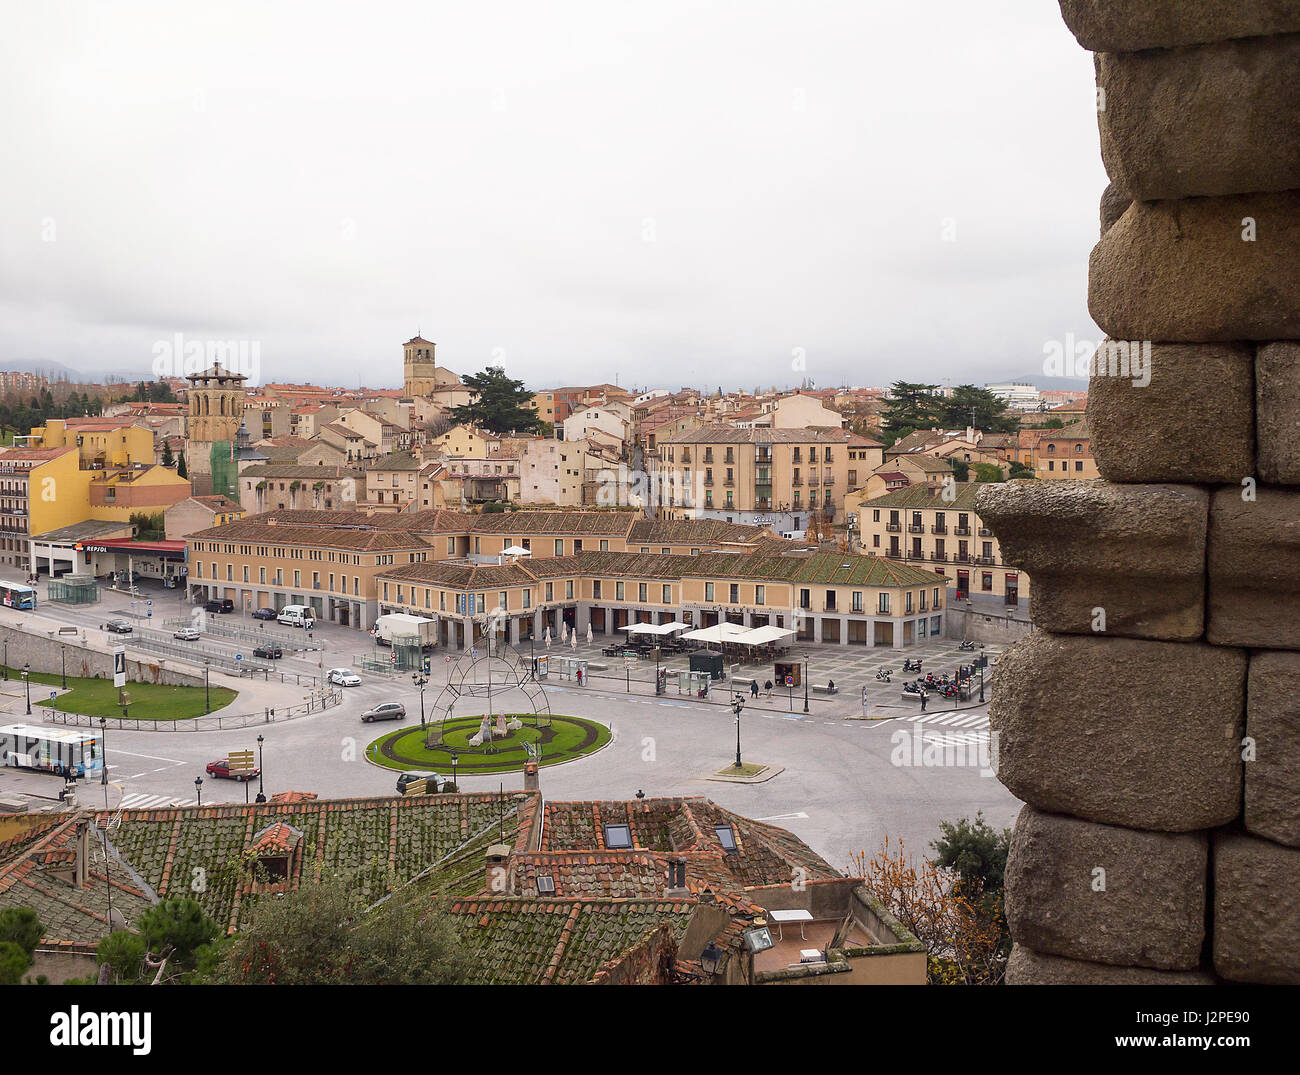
pixel 954 720
pixel 152 802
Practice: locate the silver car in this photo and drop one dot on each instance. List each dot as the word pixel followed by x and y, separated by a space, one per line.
pixel 386 711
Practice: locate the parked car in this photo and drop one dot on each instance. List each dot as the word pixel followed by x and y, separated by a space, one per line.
pixel 221 770
pixel 271 653
pixel 406 779
pixel 118 627
pixel 385 711
pixel 186 634
pixel 344 677
pixel 264 613
pixel 224 605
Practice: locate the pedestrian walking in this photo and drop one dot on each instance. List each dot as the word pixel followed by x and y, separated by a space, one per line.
pixel 923 696
pixel 753 688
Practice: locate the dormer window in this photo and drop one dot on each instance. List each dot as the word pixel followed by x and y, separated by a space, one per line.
pixel 727 838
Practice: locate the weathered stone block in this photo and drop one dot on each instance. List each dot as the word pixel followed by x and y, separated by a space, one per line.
pixel 1027 967
pixel 1121 731
pixel 1193 422
pixel 1273 724
pixel 1254 569
pixel 1114 201
pixel 1200 270
pixel 1256 910
pixel 1216 119
pixel 1136 552
pixel 1106 894
pixel 1126 25
pixel 1277 409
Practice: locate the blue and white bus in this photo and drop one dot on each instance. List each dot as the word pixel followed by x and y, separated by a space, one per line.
pixel 66 751
pixel 17 595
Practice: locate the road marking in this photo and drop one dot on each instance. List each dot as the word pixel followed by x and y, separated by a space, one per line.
pixel 151 757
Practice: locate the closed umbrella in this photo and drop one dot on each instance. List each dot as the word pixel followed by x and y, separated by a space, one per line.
pixel 589 634
pixel 548 636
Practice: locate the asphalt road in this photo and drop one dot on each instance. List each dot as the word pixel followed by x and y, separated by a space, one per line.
pixel 845 783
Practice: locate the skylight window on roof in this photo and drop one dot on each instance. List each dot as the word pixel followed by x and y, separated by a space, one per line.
pixel 618 837
pixel 546 884
pixel 727 838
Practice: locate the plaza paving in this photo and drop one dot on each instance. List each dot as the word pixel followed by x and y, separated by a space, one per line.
pixel 842 788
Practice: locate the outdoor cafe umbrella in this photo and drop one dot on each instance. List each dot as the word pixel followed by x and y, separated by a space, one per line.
pixel 548 636
pixel 589 634
pixel 573 640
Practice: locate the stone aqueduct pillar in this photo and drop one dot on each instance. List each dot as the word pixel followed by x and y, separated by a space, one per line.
pixel 1152 721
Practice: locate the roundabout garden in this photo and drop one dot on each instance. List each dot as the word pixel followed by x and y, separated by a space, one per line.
pixel 553 739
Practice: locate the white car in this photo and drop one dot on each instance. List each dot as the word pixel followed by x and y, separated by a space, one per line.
pixel 187 634
pixel 344 677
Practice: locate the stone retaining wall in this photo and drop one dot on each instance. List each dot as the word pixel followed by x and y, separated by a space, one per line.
pixel 1152 723
pixel 46 651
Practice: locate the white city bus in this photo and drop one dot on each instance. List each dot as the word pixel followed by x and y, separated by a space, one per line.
pixel 66 751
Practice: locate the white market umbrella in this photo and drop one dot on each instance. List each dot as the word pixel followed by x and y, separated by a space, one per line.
pixel 588 634
pixel 573 640
pixel 548 636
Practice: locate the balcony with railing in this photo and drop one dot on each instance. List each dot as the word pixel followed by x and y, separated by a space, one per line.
pixel 985 532
pixel 894 528
pixel 812 479
pixel 962 531
pixel 936 529
pixel 915 528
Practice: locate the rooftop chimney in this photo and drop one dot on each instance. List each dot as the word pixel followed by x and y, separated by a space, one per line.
pixel 531 779
pixel 676 880
pixel 498 870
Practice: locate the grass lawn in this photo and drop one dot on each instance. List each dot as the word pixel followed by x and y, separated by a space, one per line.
pixel 745 770
pixel 149 701
pixel 564 739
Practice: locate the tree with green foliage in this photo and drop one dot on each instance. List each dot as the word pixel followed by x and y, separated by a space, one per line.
pixel 168 456
pixel 987 472
pixel 22 926
pixel 124 952
pixel 500 403
pixel 960 469
pixel 1019 470
pixel 148 526
pixel 13 963
pixel 976 407
pixel 909 407
pixel 975 850
pixel 176 927
pixel 321 934
pixel 182 471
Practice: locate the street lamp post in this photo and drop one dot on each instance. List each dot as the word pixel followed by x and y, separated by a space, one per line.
pixel 198 789
pixel 261 794
pixel 27 669
pixel 64 654
pixel 103 734
pixel 737 704
pixel 207 702
pixel 981 681
pixel 453 770
pixel 419 679
pixel 805 686
pixel 6 672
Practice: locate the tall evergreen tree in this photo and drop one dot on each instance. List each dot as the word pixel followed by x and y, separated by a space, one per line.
pixel 910 407
pixel 500 403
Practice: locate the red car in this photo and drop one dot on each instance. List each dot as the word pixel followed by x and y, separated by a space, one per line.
pixel 221 769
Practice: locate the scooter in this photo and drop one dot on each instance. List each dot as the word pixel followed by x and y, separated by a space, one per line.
pixel 911 666
pixel 966 645
pixel 884 674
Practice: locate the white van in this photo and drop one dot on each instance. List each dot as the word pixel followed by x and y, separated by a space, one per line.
pixel 296 616
pixel 793 535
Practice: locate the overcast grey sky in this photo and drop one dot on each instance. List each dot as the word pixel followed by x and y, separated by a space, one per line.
pixel 662 194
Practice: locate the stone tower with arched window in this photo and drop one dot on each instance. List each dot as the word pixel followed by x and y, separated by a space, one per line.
pixel 211 428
